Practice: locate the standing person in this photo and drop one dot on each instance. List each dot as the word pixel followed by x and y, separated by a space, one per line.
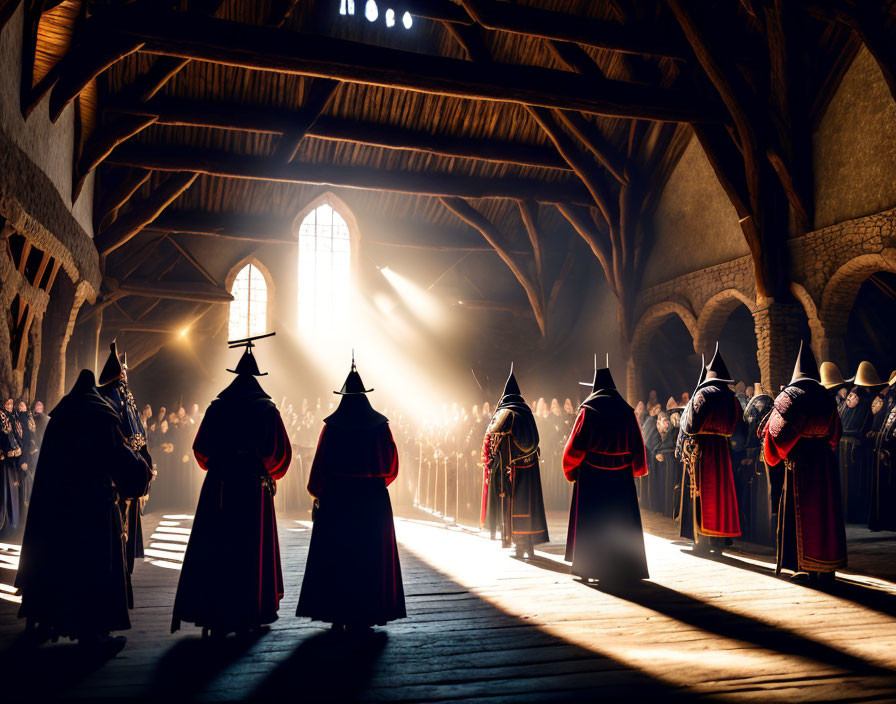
pixel 231 580
pixel 510 461
pixel 855 447
pixel 113 386
pixel 26 432
pixel 883 476
pixel 764 496
pixel 72 574
pixel 647 484
pixel 709 506
pixel 40 421
pixel 662 461
pixel 604 454
pixel 10 470
pixel 802 432
pixel 353 575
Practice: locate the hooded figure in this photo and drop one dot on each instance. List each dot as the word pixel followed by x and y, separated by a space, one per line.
pixel 353 576
pixel 604 454
pixel 11 474
pixel 709 503
pixel 802 432
pixel 883 474
pixel 73 574
pixel 766 483
pixel 231 579
pixel 511 481
pixel 113 386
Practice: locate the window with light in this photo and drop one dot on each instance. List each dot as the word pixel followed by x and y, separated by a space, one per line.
pixel 324 271
pixel 249 307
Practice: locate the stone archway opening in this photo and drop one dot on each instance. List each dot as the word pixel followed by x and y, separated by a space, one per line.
pixel 669 365
pixel 870 334
pixel 737 339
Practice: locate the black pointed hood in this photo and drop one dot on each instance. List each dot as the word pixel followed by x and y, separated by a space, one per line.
pixel 603 380
pixel 806 368
pixel 353 383
pixel 112 370
pixel 716 371
pixel 511 388
pixel 247 366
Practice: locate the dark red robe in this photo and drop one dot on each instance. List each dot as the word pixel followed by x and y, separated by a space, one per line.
pixel 353 575
pixel 714 415
pixel 603 455
pixel 803 431
pixel 231 579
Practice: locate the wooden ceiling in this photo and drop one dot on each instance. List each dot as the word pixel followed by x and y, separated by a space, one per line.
pixel 510 125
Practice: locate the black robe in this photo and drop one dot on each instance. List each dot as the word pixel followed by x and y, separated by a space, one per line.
pixel 72 573
pixel 855 457
pixel 883 476
pixel 763 499
pixel 652 486
pixel 353 575
pixel 604 454
pixel 11 476
pixel 231 580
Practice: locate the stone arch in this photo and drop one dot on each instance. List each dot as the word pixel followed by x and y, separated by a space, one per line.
pixel 715 313
pixel 268 280
pixel 646 326
pixel 818 341
pixel 839 295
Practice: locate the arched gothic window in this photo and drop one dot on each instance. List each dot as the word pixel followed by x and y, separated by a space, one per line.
pixel 249 307
pixel 324 270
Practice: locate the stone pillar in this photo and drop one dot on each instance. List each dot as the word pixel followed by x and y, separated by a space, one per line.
pixel 58 325
pixel 633 390
pixel 779 329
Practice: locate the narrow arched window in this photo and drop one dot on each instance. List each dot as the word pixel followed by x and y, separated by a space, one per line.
pixel 249 307
pixel 324 270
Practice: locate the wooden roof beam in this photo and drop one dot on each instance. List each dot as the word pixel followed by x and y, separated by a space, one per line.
pixel 214 163
pixel 186 35
pixel 240 117
pixel 175 290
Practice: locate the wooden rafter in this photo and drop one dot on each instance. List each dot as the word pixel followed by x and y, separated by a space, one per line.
pixel 241 117
pixel 319 94
pixel 144 213
pixel 162 158
pixel 190 257
pixel 107 210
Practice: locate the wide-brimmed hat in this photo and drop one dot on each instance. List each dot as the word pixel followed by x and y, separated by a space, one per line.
pixel 867 377
pixel 831 378
pixel 352 384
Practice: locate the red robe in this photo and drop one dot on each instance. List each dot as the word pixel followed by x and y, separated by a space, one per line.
pixel 714 415
pixel 604 454
pixel 353 575
pixel 803 431
pixel 231 578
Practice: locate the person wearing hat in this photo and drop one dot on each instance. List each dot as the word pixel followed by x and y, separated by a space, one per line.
pixel 231 579
pixel 883 471
pixel 802 432
pixel 511 482
pixel 661 462
pixel 113 386
pixel 72 574
pixel 766 483
pixel 855 447
pixel 353 575
pixel 709 505
pixel 603 456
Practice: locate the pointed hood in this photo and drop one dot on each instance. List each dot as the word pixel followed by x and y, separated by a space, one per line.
pixel 247 366
pixel 806 368
pixel 702 377
pixel 112 370
pixel 603 380
pixel 353 383
pixel 716 370
pixel 831 378
pixel 511 388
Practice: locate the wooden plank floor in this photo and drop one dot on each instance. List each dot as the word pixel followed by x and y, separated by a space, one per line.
pixel 483 627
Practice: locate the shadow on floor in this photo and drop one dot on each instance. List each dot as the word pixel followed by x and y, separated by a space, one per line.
pixel 729 624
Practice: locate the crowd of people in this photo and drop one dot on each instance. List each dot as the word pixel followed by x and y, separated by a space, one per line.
pixel 21 435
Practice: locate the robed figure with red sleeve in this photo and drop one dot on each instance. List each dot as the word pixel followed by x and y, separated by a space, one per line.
pixel 709 502
pixel 603 455
pixel 803 432
pixel 353 576
pixel 231 579
pixel 511 481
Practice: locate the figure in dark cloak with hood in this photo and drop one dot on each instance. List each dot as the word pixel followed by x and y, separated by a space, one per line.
pixel 11 475
pixel 604 454
pixel 73 573
pixel 709 504
pixel 511 481
pixel 231 580
pixel 766 483
pixel 802 432
pixel 353 576
pixel 113 386
pixel 883 475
